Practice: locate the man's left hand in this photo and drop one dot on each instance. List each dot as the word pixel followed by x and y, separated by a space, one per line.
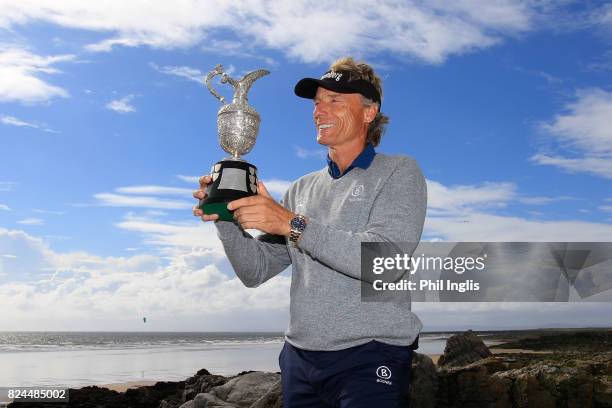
pixel 261 212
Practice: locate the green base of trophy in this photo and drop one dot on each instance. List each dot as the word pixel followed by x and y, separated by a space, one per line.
pixel 218 208
pixel 231 180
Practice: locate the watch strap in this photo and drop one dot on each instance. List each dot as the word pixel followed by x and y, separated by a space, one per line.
pixel 298 225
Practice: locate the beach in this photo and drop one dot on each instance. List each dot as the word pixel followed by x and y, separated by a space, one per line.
pixel 501 368
pixel 75 360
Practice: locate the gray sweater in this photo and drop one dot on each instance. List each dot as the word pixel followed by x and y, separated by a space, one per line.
pixel 384 203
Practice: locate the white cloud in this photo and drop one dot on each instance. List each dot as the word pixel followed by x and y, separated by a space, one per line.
pixel 41 211
pixel 118 200
pixel 173 238
pixel 453 199
pixel 303 153
pixel 597 166
pixel 276 187
pixel 31 221
pixel 586 123
pixel 483 227
pixel 13 121
pixel 4 207
pixel 155 213
pixel 603 18
pixel 57 237
pixel 48 290
pixel 7 185
pixel 122 105
pixel 550 79
pixel 583 129
pixel 143 197
pixel 170 237
pixel 156 190
pixel 602 64
pixel 429 31
pixel 32 253
pixel 192 74
pixel 235 48
pixel 605 208
pixel 189 179
pixel 20 75
pixel 538 200
pixel 466 213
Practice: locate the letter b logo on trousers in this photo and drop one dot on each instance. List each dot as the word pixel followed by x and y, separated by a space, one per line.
pixel 383 372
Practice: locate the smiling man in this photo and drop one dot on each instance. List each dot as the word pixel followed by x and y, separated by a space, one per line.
pixel 339 351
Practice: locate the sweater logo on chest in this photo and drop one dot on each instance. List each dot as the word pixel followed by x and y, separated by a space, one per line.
pixel 357 193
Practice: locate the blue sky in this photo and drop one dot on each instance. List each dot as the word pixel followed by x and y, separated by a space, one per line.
pixel 105 126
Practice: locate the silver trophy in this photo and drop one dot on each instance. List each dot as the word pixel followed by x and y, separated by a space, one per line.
pixel 237 126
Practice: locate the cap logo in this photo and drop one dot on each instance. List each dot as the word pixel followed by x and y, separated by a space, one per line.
pixel 332 75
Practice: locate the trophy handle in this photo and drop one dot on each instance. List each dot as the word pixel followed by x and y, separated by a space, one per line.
pixel 217 71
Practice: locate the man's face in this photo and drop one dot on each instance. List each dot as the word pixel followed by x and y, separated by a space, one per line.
pixel 339 118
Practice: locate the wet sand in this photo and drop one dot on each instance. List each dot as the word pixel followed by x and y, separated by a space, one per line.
pixel 123 387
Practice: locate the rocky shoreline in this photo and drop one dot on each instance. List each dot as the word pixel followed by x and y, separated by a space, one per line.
pixel 572 369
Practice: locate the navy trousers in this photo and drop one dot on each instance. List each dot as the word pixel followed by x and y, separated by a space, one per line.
pixel 374 374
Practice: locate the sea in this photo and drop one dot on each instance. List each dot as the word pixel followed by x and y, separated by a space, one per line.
pixel 78 359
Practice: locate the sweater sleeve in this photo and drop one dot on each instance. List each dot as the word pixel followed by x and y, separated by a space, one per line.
pixel 255 260
pixel 397 215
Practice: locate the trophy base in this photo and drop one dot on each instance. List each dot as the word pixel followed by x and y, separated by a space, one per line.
pixel 219 209
pixel 232 179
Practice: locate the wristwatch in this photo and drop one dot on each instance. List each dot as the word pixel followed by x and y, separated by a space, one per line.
pixel 298 225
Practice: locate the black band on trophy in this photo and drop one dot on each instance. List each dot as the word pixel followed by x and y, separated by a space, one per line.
pixel 232 180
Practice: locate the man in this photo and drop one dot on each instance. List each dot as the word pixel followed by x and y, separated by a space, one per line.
pixel 339 351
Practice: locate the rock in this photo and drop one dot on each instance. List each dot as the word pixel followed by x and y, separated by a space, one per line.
pixel 84 397
pixel 578 340
pixel 172 402
pixel 568 382
pixel 474 386
pixel 98 397
pixel 202 382
pixel 152 395
pixel 241 391
pixel 423 383
pixel 462 349
pixel 272 399
pixel 602 392
pixel 198 402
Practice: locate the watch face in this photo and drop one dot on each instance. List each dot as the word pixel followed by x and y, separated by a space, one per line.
pixel 298 223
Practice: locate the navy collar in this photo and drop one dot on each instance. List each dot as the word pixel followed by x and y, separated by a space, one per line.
pixel 362 161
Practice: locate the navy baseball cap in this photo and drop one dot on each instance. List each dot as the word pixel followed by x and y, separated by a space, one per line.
pixel 337 81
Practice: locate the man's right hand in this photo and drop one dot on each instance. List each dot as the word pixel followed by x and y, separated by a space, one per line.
pixel 201 195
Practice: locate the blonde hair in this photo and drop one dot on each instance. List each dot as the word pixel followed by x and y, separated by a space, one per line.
pixel 361 70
